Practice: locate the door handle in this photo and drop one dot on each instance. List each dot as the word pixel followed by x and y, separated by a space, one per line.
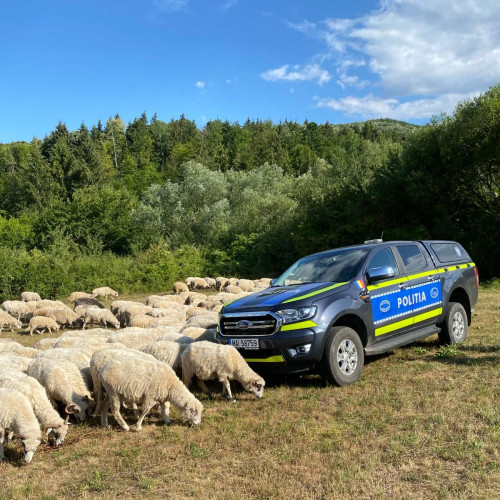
pixel 403 286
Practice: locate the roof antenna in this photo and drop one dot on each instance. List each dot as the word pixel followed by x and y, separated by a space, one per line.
pixel 382 236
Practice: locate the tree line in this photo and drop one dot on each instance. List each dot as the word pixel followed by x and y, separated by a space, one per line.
pixel 243 200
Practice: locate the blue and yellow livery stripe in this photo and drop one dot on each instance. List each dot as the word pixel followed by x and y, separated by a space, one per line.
pixel 408 321
pixel 272 359
pixel 298 326
pixel 321 290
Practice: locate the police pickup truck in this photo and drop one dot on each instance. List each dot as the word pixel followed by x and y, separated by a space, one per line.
pixel 331 309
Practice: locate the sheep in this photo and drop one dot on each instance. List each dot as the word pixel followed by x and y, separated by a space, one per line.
pixel 117 305
pixel 175 337
pixel 44 323
pixel 104 291
pixel 161 322
pixel 48 417
pixel 44 344
pixel 60 316
pixel 202 322
pixel 102 316
pixel 8 321
pixel 195 283
pixel 63 382
pixel 168 299
pixel 210 282
pixel 99 359
pixel 16 308
pixel 161 313
pixel 146 383
pixel 141 321
pixel 88 302
pixel 99 334
pixel 208 361
pixel 17 416
pixel 78 295
pixel 198 311
pixel 210 305
pixel 166 351
pixel 246 285
pixel 198 333
pixel 232 289
pixel 28 296
pixel 125 314
pixel 195 297
pixel 179 287
pixel 220 283
pixel 14 362
pixel 135 340
pixel 18 349
pixel 51 304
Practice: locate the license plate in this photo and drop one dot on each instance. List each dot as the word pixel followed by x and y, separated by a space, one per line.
pixel 244 343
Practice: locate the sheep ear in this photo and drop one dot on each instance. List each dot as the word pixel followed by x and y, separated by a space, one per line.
pixel 18 436
pixel 71 408
pixel 47 428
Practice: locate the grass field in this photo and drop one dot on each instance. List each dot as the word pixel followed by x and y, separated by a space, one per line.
pixel 423 422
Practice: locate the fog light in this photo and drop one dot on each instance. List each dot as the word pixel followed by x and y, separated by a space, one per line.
pixel 303 349
pixel 292 352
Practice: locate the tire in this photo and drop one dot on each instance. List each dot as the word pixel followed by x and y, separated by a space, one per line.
pixel 344 357
pixel 455 325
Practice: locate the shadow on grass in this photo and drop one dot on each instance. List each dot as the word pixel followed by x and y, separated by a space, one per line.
pixel 465 360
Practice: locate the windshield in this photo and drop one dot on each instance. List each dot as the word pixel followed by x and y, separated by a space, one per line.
pixel 335 266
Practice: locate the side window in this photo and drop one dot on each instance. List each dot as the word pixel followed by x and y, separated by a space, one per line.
pixel 383 258
pixel 413 259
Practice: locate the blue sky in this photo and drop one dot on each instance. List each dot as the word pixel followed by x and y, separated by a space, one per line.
pixel 80 61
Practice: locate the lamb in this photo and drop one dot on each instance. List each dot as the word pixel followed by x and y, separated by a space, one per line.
pixel 151 383
pixel 27 296
pixel 104 291
pixel 88 302
pixel 208 361
pixel 8 321
pixel 63 382
pixel 16 308
pixel 102 316
pixel 18 349
pixel 142 321
pixel 166 351
pixel 78 295
pixel 179 287
pixel 17 416
pixel 44 323
pixel 48 417
pixel 99 359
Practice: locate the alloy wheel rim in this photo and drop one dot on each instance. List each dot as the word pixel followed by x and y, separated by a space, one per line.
pixel 458 325
pixel 347 357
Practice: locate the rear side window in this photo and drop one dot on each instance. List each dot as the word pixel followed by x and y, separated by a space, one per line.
pixel 383 258
pixel 448 252
pixel 412 257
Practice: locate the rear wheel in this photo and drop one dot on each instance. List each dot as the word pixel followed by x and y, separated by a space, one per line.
pixel 455 325
pixel 344 357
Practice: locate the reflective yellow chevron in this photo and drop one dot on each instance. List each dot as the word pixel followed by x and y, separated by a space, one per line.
pixel 408 321
pixel 272 359
pixel 298 326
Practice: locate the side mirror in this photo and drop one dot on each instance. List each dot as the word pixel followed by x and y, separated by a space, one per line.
pixel 380 273
pixel 273 282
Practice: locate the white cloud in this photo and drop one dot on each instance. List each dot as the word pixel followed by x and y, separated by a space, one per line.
pixel 370 106
pixel 310 72
pixel 228 4
pixel 200 85
pixel 171 5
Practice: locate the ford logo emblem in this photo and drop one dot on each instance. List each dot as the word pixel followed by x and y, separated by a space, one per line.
pixel 243 325
pixel 434 292
pixel 385 305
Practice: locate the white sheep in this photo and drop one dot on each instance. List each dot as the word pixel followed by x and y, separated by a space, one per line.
pixel 201 322
pixel 61 316
pixel 199 334
pixel 246 285
pixel 220 282
pixel 232 289
pixel 12 361
pixel 208 361
pixel 125 314
pixel 16 308
pixel 101 316
pixel 167 299
pixel 18 349
pixel 28 296
pixel 141 321
pixel 104 291
pixel 78 295
pixel 167 351
pixel 176 337
pixel 44 344
pixel 210 282
pixel 116 305
pixel 146 383
pixel 195 298
pixel 43 323
pixel 17 416
pixel 63 382
pixel 135 340
pixel 179 287
pixel 8 321
pixel 52 304
pixel 48 417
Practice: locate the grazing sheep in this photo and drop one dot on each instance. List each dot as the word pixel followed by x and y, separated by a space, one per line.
pixel 176 337
pixel 161 313
pixel 232 289
pixel 43 323
pixel 116 305
pixel 48 417
pixel 169 299
pixel 167 351
pixel 78 295
pixel 99 359
pixel 16 308
pixel 104 291
pixel 63 382
pixel 146 383
pixel 51 304
pixel 135 340
pixel 17 416
pixel 28 296
pixel 179 287
pixel 100 334
pixel 101 316
pixel 210 282
pixel 220 282
pixel 17 349
pixel 44 344
pixel 88 302
pixel 198 333
pixel 141 321
pixel 208 361
pixel 60 316
pixel 246 285
pixel 204 321
pixel 210 305
pixel 126 313
pixel 198 311
pixel 161 322
pixel 197 283
pixel 14 362
pixel 8 321
pixel 195 297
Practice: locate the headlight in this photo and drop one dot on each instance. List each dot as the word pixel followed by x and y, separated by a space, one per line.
pixel 292 315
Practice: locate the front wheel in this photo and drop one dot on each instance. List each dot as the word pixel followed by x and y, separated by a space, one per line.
pixel 343 358
pixel 455 325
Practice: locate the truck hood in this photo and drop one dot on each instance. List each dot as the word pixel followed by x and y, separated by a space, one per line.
pixel 290 296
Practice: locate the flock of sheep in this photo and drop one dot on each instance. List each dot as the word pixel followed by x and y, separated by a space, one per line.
pixel 95 371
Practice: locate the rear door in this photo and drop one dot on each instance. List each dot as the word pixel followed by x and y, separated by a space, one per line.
pixel 424 292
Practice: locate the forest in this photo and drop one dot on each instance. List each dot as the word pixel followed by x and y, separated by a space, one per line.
pixel 137 206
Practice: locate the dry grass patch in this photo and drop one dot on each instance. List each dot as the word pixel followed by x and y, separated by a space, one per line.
pixel 423 422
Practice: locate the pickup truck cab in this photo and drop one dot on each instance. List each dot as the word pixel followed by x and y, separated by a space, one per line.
pixel 330 309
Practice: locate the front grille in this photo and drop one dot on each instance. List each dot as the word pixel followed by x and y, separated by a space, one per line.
pixel 249 324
